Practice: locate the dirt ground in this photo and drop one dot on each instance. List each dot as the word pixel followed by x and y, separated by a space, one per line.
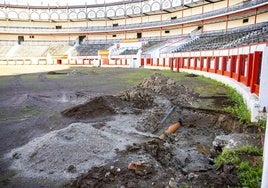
pixel 95 127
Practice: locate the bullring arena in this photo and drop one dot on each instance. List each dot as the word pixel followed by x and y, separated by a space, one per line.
pixel 132 93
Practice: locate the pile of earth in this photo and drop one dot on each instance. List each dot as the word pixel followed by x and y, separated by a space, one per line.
pixel 96 107
pixel 113 131
pixel 158 85
pixel 159 164
pixel 157 91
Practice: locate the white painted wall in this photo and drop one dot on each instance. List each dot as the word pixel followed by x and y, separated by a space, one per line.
pixel 263 95
pixel 262 17
pixel 264 183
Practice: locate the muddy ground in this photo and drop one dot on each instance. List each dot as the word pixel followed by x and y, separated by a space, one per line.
pixel 88 127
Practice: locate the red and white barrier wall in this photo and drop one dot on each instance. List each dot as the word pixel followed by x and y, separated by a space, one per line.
pixel 243 68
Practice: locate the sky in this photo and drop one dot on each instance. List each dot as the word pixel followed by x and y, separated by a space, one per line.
pixel 55 2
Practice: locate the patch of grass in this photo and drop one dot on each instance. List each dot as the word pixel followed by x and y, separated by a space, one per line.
pixel 56 76
pixel 5 177
pixel 261 124
pixel 208 86
pixel 249 176
pixel 248 160
pixel 210 81
pixel 232 156
pixel 3 115
pixel 4 81
pixel 24 78
pixel 136 76
pixel 227 156
pixel 29 111
pixel 239 108
pixel 174 75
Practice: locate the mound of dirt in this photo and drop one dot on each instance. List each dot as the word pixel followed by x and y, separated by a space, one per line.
pixel 143 96
pixel 182 159
pixel 161 165
pixel 66 153
pixel 97 107
pixel 158 85
pixel 139 98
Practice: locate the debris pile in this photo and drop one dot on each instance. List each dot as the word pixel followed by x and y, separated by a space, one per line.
pixel 157 164
pixel 159 85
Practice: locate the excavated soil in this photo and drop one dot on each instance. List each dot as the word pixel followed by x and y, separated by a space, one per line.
pixel 99 106
pixel 100 135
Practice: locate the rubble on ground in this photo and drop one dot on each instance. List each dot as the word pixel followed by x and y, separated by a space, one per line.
pixel 118 143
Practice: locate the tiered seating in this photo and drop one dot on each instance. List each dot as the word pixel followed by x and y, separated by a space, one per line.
pixel 4 50
pixel 129 52
pixel 22 51
pixel 220 40
pixel 28 51
pixel 90 49
pixel 151 45
pixel 58 49
pixel 33 49
pixel 255 36
pixel 116 51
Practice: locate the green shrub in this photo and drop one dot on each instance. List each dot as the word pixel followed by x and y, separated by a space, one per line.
pixel 249 176
pixel 249 169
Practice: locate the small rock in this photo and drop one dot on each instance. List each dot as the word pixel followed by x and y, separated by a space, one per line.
pixel 170 81
pixel 87 182
pixel 137 166
pixel 68 137
pixel 232 141
pixel 16 155
pixel 192 176
pixel 71 168
pixel 107 174
pixel 172 183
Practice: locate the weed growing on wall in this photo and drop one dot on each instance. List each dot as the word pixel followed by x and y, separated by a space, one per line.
pixel 238 107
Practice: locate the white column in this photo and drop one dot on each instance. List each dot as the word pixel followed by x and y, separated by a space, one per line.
pixel 264 80
pixel 264 103
pixel 264 183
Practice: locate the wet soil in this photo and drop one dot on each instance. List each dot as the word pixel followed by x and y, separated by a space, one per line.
pixel 84 127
